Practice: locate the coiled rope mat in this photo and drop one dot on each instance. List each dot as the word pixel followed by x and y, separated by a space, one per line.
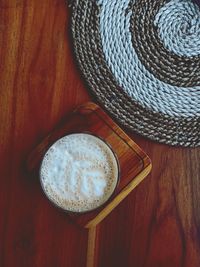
pixel 141 58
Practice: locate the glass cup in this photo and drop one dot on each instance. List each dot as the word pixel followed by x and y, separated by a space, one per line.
pixel 65 160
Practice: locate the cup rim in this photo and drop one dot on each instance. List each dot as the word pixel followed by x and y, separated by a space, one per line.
pixel 114 190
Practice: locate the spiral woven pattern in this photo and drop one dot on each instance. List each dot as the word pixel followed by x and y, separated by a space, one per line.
pixel 141 58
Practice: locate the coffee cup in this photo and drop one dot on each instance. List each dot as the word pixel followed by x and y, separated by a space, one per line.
pixel 79 172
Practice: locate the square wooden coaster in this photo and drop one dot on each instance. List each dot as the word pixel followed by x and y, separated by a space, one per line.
pixel 135 165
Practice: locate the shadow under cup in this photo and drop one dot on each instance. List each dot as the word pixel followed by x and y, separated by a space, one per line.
pixel 63 150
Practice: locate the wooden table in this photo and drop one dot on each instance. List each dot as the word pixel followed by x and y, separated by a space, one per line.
pixel 157 225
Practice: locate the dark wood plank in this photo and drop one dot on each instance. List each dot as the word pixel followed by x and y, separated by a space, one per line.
pixel 39 86
pixel 161 216
pixel 157 225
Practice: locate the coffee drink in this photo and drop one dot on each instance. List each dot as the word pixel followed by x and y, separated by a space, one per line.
pixel 79 172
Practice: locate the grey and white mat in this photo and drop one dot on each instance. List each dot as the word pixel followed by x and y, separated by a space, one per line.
pixel 141 58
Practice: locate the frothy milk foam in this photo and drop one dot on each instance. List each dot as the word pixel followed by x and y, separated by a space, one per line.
pixel 79 172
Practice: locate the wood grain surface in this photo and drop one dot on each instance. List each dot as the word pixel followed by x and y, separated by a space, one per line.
pixel 158 224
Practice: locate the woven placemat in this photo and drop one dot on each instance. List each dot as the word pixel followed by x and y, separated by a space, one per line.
pixel 141 59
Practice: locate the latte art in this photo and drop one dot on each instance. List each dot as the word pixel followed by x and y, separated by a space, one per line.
pixel 79 172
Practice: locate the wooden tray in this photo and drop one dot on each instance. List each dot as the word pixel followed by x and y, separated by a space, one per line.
pixel 134 163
